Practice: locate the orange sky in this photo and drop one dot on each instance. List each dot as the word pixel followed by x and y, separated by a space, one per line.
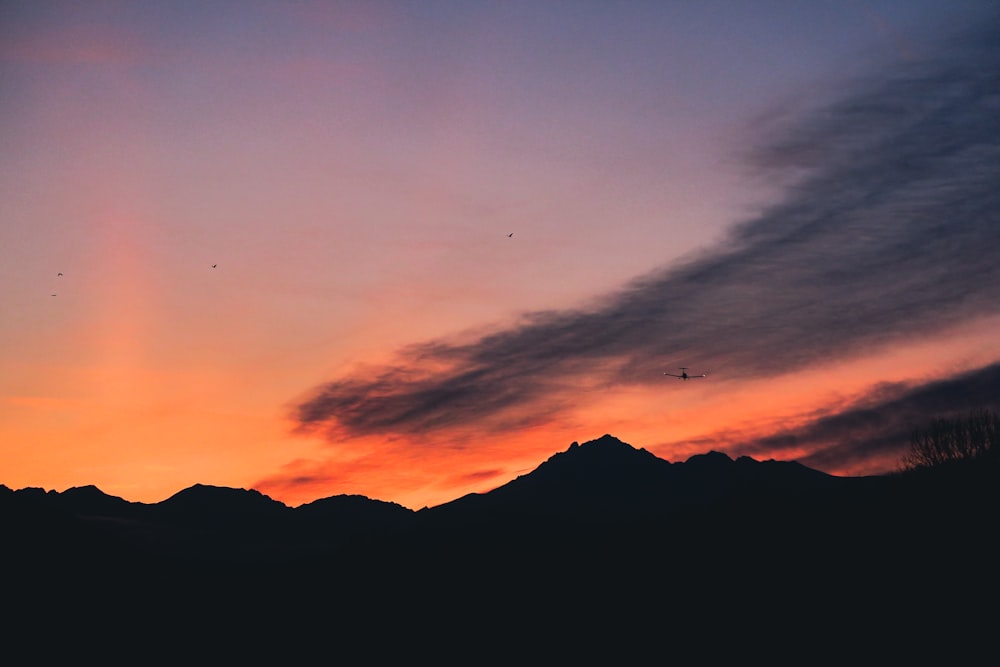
pixel 354 174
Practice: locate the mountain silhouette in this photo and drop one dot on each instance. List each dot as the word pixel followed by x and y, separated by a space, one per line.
pixel 602 552
pixel 602 480
pixel 607 479
pixel 206 502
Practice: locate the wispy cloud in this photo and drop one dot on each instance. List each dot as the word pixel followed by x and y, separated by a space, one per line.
pixel 880 424
pixel 888 234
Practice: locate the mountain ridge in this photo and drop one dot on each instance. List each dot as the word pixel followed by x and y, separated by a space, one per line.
pixel 601 540
pixel 612 451
pixel 600 483
pixel 601 487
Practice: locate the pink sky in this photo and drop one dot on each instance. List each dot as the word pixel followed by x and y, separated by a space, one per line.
pixel 354 174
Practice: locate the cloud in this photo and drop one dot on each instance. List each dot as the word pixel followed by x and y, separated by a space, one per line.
pixel 879 425
pixel 887 233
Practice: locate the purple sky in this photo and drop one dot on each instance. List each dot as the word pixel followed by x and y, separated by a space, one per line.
pixel 793 196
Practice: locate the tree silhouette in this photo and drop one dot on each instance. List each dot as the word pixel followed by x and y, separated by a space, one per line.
pixel 973 437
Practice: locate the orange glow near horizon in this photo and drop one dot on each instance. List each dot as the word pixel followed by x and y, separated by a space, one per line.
pixel 90 432
pixel 246 205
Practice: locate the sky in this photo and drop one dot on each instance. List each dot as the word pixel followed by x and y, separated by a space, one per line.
pixel 410 250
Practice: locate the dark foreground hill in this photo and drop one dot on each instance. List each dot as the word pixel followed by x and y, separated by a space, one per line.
pixel 604 552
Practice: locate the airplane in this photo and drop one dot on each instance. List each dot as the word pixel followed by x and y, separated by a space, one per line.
pixel 684 374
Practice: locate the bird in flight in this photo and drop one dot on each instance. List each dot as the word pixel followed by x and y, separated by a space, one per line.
pixel 684 374
pixel 59 274
pixel 214 265
pixel 511 234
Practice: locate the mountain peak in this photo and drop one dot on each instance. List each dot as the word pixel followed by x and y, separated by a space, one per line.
pixel 607 440
pixel 712 458
pixel 606 449
pixel 91 500
pixel 604 463
pixel 223 499
pixel 87 491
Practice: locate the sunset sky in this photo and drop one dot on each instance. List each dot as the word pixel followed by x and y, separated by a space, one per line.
pixel 410 250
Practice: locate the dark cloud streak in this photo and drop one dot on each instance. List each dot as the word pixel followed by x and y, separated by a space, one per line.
pixel 889 232
pixel 882 422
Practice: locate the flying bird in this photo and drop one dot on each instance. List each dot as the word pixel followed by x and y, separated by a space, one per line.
pixel 214 265
pixel 684 374
pixel 511 234
pixel 59 274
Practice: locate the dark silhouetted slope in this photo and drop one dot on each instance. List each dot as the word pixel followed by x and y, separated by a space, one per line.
pixel 608 480
pixel 602 550
pixel 205 503
pixel 354 511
